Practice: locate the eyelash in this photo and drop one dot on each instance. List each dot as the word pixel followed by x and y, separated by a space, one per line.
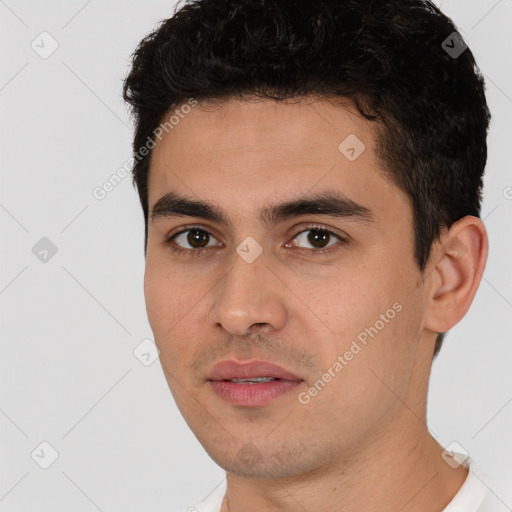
pixel 198 252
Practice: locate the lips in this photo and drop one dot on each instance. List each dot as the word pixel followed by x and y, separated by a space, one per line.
pixel 228 370
pixel 251 384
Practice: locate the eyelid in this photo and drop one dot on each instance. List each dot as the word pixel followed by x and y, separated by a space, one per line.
pixel 209 230
pixel 321 227
pixel 189 227
pixel 344 238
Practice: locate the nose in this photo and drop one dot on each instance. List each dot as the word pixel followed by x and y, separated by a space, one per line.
pixel 249 295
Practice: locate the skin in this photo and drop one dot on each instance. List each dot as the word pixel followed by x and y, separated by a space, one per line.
pixel 362 443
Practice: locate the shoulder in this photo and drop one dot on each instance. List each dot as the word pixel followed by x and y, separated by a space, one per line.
pixel 476 494
pixel 212 502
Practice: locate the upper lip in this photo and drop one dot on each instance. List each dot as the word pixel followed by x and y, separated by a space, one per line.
pixel 231 369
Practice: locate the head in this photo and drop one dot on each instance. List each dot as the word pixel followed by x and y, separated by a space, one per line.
pixel 266 95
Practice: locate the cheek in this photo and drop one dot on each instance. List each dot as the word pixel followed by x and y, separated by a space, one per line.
pixel 160 301
pixel 346 302
pixel 169 304
pixel 168 293
pixel 370 312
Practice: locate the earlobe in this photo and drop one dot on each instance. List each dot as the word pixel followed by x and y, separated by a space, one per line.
pixel 461 257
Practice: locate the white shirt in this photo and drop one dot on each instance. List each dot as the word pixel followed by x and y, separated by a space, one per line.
pixel 474 495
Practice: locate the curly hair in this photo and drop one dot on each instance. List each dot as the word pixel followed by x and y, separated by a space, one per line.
pixel 389 58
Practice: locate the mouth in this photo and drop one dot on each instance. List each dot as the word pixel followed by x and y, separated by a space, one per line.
pixel 254 380
pixel 251 384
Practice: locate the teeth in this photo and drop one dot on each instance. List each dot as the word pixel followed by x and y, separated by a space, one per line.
pixel 253 380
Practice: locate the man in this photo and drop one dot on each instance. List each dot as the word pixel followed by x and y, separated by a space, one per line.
pixel 310 174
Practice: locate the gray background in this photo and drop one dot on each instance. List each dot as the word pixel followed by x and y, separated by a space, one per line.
pixel 69 325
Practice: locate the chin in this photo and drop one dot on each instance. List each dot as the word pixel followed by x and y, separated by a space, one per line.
pixel 251 461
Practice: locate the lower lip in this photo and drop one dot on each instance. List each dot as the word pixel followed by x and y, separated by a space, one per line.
pixel 253 395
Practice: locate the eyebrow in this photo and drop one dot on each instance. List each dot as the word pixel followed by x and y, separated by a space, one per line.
pixel 329 203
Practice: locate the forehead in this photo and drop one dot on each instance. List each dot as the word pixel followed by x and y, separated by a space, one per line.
pixel 243 154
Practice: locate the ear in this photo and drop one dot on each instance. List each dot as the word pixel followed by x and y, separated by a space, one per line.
pixel 459 260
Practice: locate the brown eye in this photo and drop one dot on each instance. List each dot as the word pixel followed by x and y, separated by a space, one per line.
pixel 195 238
pixel 317 238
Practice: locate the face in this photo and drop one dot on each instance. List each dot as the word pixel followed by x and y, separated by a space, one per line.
pixel 304 259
